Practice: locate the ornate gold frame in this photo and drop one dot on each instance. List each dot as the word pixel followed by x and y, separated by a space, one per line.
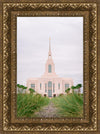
pixel 10 11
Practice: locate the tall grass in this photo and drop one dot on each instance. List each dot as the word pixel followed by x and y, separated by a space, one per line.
pixel 69 105
pixel 27 104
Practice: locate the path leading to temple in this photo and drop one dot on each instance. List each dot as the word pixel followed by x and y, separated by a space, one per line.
pixel 47 111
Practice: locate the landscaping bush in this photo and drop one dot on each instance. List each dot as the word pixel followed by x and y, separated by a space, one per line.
pixel 27 104
pixel 39 95
pixel 61 94
pixel 69 105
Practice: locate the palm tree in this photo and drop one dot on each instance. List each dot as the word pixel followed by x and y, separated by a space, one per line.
pixel 73 87
pixel 22 88
pixel 78 86
pixel 25 88
pixel 18 85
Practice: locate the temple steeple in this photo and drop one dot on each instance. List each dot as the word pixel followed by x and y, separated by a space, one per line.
pixel 49 53
pixel 49 66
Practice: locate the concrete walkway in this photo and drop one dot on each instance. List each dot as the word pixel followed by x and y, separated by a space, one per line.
pixel 47 111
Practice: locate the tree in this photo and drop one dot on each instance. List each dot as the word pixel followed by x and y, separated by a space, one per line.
pixel 25 88
pixel 31 90
pixel 22 87
pixel 78 86
pixel 67 90
pixel 18 85
pixel 73 87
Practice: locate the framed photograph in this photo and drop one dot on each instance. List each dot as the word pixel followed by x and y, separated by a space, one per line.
pixel 49 66
pixel 38 56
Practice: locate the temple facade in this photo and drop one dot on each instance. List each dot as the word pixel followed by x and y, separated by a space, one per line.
pixel 49 84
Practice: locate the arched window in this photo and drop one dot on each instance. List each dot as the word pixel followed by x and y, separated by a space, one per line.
pixel 49 68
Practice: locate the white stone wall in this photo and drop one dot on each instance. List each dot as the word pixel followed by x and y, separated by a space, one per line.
pixel 56 81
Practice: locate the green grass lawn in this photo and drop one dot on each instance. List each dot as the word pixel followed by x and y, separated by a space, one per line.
pixel 27 104
pixel 69 105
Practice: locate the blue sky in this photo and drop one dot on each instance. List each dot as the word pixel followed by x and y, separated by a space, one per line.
pixel 66 44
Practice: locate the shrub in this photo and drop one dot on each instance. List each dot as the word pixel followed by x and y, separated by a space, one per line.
pixel 31 90
pixel 61 94
pixel 69 105
pixel 27 104
pixel 37 94
pixel 67 90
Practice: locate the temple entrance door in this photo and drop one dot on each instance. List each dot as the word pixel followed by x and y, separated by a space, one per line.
pixel 49 89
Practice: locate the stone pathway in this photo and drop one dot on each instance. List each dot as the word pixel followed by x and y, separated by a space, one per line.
pixel 47 111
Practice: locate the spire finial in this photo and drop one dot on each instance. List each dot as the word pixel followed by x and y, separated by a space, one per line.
pixel 49 44
pixel 49 54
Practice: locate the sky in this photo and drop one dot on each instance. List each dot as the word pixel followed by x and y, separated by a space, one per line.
pixel 66 35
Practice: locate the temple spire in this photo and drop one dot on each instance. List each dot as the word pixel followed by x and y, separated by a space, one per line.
pixel 49 44
pixel 49 54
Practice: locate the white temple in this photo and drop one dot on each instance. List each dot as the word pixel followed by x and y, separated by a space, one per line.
pixel 49 84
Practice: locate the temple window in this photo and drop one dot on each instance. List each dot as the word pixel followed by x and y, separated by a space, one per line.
pixel 49 84
pixel 66 86
pixel 33 86
pixel 49 68
pixel 40 86
pixel 58 85
pixel 45 87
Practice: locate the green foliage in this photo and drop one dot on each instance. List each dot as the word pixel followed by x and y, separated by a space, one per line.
pixel 18 85
pixel 39 95
pixel 61 94
pixel 77 87
pixel 21 88
pixel 31 90
pixel 69 105
pixel 27 104
pixel 73 87
pixel 67 90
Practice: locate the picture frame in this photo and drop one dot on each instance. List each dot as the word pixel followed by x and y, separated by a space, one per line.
pixel 10 123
